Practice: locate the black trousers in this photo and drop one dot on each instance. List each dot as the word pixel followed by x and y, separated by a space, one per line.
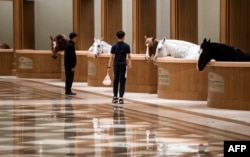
pixel 119 80
pixel 69 78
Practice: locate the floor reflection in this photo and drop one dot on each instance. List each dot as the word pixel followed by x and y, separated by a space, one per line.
pixel 43 122
pixel 120 139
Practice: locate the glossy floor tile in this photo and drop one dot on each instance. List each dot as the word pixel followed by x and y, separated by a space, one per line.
pixel 38 120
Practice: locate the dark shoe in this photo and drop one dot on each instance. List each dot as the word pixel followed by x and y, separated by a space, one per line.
pixel 121 101
pixel 70 93
pixel 115 100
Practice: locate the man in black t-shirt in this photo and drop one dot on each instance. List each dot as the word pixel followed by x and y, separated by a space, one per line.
pixel 70 63
pixel 121 59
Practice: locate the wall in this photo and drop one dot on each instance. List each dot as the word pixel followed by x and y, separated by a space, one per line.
pixel 52 17
pixel 127 20
pixel 209 20
pixel 163 19
pixel 6 22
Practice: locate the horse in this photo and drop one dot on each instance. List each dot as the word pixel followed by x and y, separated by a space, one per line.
pixel 99 46
pixel 219 52
pixel 151 45
pixel 176 49
pixel 4 46
pixel 58 43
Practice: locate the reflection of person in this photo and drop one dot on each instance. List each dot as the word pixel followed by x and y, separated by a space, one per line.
pixel 120 141
pixel 69 126
pixel 70 63
pixel 120 53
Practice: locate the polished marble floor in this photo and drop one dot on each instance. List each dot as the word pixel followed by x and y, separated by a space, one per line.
pixel 38 120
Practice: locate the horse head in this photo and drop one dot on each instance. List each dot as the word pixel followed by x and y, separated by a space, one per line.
pixel 205 54
pixel 99 46
pixel 57 44
pixel 150 44
pixel 4 46
pixel 161 49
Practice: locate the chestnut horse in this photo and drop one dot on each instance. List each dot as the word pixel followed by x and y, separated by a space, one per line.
pixel 151 45
pixel 4 46
pixel 58 43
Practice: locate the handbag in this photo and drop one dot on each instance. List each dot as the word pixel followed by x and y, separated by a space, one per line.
pixel 107 81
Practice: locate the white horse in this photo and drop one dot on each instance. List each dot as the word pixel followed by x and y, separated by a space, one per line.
pixel 176 49
pixel 99 47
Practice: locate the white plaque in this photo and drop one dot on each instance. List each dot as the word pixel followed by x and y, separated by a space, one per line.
pixel 25 63
pixel 91 68
pixel 163 77
pixel 215 82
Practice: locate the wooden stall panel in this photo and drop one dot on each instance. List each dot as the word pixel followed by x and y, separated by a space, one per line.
pixel 228 85
pixel 37 64
pixel 6 56
pixel 142 77
pixel 179 79
pixel 97 69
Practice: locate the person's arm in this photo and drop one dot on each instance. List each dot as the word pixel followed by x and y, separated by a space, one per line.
pixel 111 58
pixel 129 61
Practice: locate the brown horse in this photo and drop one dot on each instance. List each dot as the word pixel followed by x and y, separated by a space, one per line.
pixel 4 46
pixel 58 43
pixel 151 45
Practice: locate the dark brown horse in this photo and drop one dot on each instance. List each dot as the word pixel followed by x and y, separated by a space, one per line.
pixel 151 45
pixel 4 46
pixel 58 44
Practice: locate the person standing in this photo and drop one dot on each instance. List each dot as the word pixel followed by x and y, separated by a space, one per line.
pixel 70 63
pixel 121 59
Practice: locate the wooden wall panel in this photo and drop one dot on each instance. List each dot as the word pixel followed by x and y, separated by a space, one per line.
pixel 83 22
pixel 235 23
pixel 24 26
pixel 144 23
pixel 111 19
pixel 184 20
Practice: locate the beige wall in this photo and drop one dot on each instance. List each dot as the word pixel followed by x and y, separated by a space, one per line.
pixel 209 20
pixel 163 19
pixel 6 22
pixel 51 20
pixel 52 17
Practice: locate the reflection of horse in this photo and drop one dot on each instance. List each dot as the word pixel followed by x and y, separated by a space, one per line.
pixel 219 52
pixel 58 44
pixel 99 47
pixel 151 45
pixel 4 46
pixel 176 49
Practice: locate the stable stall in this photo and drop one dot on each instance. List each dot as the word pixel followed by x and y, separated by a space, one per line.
pixel 142 77
pixel 6 61
pixel 97 69
pixel 228 85
pixel 179 79
pixel 37 64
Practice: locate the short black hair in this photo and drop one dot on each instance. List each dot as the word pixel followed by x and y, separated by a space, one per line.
pixel 120 34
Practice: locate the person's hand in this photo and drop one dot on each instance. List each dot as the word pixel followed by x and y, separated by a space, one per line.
pixel 129 65
pixel 108 70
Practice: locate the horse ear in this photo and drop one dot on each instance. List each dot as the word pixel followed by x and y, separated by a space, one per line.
pixel 51 37
pixel 204 40
pixel 145 37
pixel 209 41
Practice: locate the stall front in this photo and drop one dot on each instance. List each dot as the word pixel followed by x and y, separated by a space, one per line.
pixel 228 85
pixel 179 79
